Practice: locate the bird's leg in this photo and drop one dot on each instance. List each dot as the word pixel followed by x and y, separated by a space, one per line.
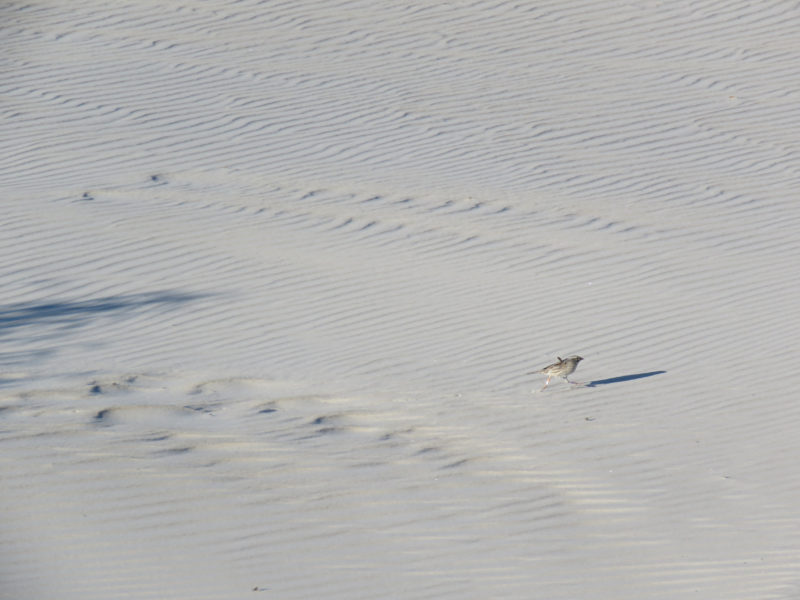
pixel 546 383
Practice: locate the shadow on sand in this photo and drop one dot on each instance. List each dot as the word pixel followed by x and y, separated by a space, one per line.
pixel 33 331
pixel 622 378
pixel 73 313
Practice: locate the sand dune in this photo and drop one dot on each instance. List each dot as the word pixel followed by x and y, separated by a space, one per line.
pixel 275 275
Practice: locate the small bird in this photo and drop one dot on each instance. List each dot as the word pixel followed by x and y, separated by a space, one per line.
pixel 563 368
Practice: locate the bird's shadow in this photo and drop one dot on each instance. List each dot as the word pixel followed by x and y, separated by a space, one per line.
pixel 622 378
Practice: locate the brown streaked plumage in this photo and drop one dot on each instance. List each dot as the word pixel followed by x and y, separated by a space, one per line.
pixel 563 368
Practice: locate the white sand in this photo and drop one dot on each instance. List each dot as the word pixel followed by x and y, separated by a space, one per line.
pixel 274 275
